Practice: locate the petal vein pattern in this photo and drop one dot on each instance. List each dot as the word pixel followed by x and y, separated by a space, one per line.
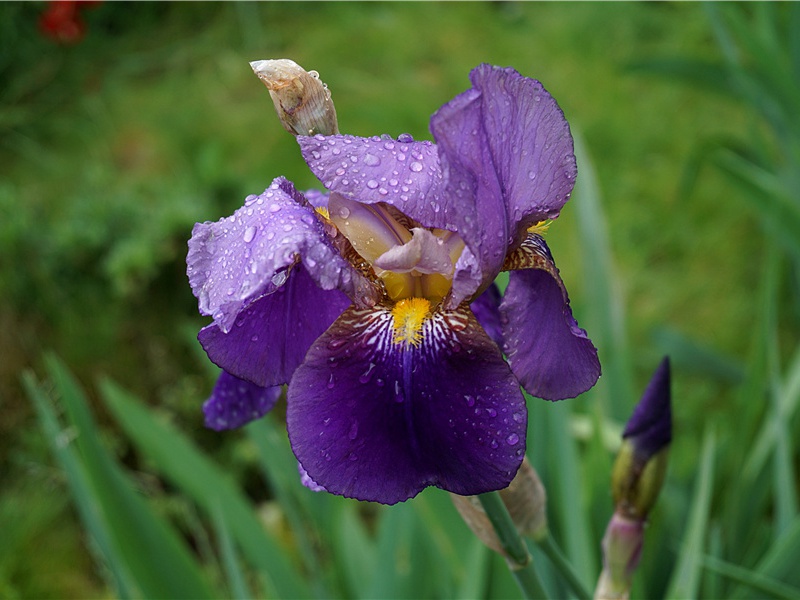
pixel 375 419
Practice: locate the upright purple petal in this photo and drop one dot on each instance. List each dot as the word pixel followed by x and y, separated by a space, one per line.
pixel 374 419
pixel 650 427
pixel 270 337
pixel 550 355
pixel 235 402
pixel 236 260
pixel 405 174
pixel 506 153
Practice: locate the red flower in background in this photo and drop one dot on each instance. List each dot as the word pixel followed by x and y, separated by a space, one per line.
pixel 62 22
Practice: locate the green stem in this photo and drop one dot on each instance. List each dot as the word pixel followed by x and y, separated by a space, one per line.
pixel 516 551
pixel 553 552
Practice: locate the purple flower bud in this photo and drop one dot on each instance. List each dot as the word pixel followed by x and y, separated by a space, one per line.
pixel 650 427
pixel 642 460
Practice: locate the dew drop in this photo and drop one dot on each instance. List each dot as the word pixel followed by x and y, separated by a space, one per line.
pixel 491 412
pixel 415 166
pixel 331 383
pixel 274 207
pixel 470 400
pixel 371 160
pixel 494 444
pixel 344 212
pixel 249 234
pixel 372 184
pixel 518 417
pixel 512 439
pixel 353 433
pixel 405 138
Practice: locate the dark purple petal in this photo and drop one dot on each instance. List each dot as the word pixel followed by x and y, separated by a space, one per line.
pixel 270 337
pixel 650 427
pixel 486 309
pixel 235 402
pixel 550 355
pixel 236 260
pixel 374 419
pixel 406 174
pixel 506 152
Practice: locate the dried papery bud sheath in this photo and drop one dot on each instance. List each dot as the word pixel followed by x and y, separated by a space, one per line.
pixel 302 101
pixel 526 501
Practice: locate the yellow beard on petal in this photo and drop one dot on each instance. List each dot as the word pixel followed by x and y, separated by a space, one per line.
pixel 409 315
pixel 539 228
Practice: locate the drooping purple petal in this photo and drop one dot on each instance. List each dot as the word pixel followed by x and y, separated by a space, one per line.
pixel 650 427
pixel 307 481
pixel 374 419
pixel 506 151
pixel 270 337
pixel 235 402
pixel 550 355
pixel 486 309
pixel 405 174
pixel 236 260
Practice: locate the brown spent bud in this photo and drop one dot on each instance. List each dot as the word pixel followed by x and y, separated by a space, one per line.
pixel 302 101
pixel 526 501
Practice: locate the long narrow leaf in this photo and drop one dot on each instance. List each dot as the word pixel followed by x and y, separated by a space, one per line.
pixel 157 559
pixel 190 470
pixel 685 581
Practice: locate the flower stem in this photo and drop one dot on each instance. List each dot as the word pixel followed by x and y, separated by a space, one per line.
pixel 518 557
pixel 553 552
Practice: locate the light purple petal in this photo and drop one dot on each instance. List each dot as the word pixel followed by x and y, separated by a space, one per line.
pixel 550 355
pixel 236 260
pixel 235 402
pixel 405 174
pixel 486 309
pixel 270 337
pixel 506 153
pixel 377 420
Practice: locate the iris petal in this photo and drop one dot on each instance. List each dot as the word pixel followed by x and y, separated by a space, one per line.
pixel 507 151
pixel 406 175
pixel 235 402
pixel 236 260
pixel 272 335
pixel 376 420
pixel 550 355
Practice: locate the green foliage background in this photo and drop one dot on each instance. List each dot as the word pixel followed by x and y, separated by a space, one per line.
pixel 674 243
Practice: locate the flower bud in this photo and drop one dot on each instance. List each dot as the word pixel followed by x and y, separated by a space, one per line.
pixel 302 101
pixel 526 501
pixel 642 460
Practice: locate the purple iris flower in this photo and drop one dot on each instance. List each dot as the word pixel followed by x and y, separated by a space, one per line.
pixel 360 299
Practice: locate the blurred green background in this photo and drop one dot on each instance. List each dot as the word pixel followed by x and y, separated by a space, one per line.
pixel 111 148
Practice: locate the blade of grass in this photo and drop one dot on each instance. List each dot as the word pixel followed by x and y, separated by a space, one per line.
pixel 755 581
pixel 237 580
pixel 180 462
pixel 85 502
pixel 158 560
pixel 606 310
pixel 685 582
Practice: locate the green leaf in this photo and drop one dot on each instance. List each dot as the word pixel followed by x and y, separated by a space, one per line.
pixel 203 481
pixel 237 580
pixel 158 561
pixel 685 582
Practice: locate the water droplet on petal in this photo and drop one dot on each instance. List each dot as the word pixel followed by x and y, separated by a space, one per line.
pixel 331 383
pixel 491 412
pixel 372 184
pixel 353 433
pixel 371 160
pixel 512 439
pixel 415 166
pixel 249 234
pixel 274 207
